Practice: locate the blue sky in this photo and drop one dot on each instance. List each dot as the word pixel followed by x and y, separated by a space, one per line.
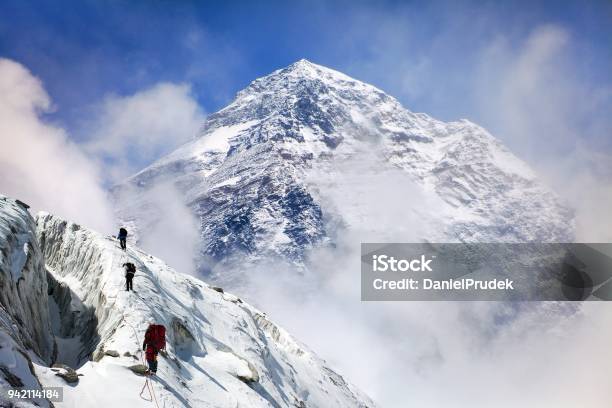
pixel 83 50
pixel 536 74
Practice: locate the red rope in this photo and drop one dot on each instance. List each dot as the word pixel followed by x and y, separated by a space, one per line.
pixel 142 391
pixel 148 383
pixel 153 393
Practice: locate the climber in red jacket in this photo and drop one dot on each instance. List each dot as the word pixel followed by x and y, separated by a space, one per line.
pixel 154 341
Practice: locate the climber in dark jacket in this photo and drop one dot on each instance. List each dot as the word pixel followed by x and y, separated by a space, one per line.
pixel 130 271
pixel 122 237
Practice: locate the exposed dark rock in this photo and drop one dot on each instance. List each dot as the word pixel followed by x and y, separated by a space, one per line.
pixel 253 377
pixel 71 377
pixel 11 378
pixel 22 204
pixel 67 373
pixel 139 369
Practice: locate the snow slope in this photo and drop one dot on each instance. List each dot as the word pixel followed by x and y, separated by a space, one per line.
pixel 222 352
pixel 264 176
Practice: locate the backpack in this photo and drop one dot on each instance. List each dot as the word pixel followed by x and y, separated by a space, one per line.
pixel 156 336
pixel 130 268
pixel 122 232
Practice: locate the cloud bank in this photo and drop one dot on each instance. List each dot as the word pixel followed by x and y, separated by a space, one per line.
pixel 430 354
pixel 42 165
pixel 441 354
pixel 38 162
pixel 129 132
pixel 535 98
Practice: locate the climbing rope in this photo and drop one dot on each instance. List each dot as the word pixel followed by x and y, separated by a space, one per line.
pixel 148 384
pixel 152 398
pixel 150 388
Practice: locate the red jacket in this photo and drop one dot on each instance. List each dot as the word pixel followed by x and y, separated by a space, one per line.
pixel 155 340
pixel 150 353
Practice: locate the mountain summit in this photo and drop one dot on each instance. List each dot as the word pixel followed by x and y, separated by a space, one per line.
pixel 276 173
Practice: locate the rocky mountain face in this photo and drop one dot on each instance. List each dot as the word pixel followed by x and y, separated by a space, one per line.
pixel 66 317
pixel 259 176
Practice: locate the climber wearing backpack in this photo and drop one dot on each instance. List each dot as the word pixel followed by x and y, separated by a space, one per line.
pixel 130 271
pixel 154 341
pixel 122 237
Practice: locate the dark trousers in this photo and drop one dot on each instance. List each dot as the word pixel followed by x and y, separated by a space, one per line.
pixel 122 243
pixel 152 365
pixel 128 281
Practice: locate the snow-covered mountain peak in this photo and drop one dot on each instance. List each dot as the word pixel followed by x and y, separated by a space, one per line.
pixel 275 172
pixel 306 95
pixel 306 69
pixel 299 72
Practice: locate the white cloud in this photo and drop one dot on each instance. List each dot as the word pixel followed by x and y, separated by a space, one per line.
pixel 584 179
pixel 129 132
pixel 440 354
pixel 38 162
pixel 166 226
pixel 525 92
pixel 534 100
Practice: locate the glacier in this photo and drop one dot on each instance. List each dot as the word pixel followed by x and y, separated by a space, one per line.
pixel 68 307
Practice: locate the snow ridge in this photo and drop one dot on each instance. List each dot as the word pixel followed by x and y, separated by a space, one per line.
pixel 65 308
pixel 222 351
